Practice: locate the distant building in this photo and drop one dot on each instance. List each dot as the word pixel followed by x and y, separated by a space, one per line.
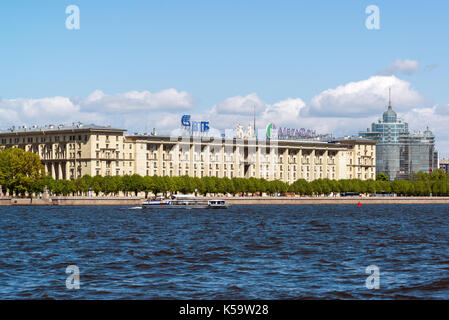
pixel 399 153
pixel 417 153
pixel 444 165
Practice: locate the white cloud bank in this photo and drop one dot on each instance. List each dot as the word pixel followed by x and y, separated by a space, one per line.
pixel 130 109
pixel 364 98
pixel 344 110
pixel 169 99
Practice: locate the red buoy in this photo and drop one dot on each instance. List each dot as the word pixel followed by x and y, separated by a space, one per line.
pixel 359 204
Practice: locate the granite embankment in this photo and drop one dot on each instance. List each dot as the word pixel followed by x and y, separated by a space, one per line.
pixel 135 201
pixel 339 200
pixel 72 201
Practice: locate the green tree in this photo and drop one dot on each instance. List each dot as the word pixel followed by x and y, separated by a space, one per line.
pixel 20 171
pixel 382 176
pixel 137 184
pixel 97 182
pixel 148 185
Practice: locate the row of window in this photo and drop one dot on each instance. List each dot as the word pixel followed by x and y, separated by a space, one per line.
pixel 117 163
pixel 44 139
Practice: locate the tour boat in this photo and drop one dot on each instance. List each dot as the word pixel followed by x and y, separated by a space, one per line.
pixel 184 202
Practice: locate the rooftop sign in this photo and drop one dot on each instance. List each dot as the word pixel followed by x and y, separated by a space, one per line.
pixel 194 126
pixel 289 133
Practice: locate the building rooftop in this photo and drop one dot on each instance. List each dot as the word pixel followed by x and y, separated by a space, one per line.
pixel 389 115
pixel 60 127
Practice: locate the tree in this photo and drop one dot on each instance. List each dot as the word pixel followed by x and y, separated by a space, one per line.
pixel 325 186
pixel 148 185
pixel 82 185
pixel 96 184
pixel 260 185
pixel 108 185
pixel 222 186
pixel 251 185
pixel 382 176
pixel 137 184
pixel 211 186
pixel 199 185
pixel 299 187
pixel 127 184
pixel 20 171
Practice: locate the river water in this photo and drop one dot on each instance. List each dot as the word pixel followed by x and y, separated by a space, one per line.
pixel 245 252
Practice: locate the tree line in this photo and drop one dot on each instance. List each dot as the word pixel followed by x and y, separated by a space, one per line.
pixel 21 174
pixel 421 184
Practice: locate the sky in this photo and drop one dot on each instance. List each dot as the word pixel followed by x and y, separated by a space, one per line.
pixel 142 64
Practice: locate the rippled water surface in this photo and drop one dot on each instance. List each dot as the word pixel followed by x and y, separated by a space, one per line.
pixel 245 252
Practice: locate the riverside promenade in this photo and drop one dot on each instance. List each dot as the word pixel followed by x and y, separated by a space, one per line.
pixel 137 201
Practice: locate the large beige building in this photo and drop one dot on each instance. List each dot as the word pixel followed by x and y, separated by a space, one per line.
pixel 69 152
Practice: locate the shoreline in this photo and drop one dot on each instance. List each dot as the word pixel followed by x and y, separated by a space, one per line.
pixel 137 201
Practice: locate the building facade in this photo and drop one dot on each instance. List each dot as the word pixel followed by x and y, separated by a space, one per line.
pixel 400 153
pixel 69 152
pixel 284 160
pixel 444 164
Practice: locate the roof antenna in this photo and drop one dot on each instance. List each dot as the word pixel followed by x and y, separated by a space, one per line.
pixel 389 98
pixel 254 114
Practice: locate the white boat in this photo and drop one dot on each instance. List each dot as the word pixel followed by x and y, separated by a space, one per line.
pixel 184 202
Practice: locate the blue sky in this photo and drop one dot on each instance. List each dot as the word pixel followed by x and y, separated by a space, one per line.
pixel 215 50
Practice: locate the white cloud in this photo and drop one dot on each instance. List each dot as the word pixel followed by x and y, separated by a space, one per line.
pixel 407 67
pixel 39 111
pixel 169 99
pixel 442 109
pixel 285 112
pixel 240 105
pixel 420 118
pixel 364 98
pixel 240 109
pixel 345 110
pixel 132 109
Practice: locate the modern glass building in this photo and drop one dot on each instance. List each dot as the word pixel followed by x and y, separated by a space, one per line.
pixel 399 153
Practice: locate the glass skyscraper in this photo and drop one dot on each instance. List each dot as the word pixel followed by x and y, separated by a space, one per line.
pixel 399 153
